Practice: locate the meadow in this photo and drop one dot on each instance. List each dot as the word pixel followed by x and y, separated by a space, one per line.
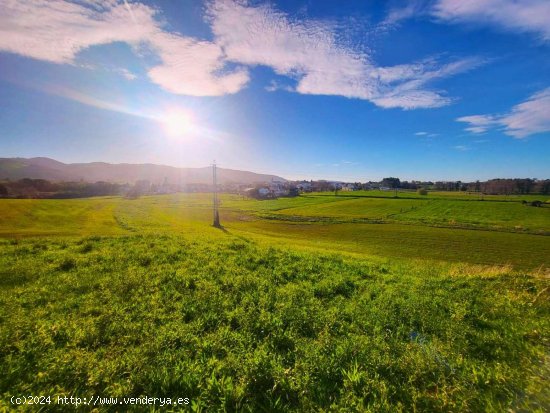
pixel 494 232
pixel 355 302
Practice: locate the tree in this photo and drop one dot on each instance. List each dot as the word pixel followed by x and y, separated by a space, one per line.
pixel 391 182
pixel 293 191
pixel 477 186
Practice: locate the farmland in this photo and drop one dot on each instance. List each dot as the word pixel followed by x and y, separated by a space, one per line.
pixel 480 232
pixel 355 302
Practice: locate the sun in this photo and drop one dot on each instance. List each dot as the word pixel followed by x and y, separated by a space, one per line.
pixel 177 123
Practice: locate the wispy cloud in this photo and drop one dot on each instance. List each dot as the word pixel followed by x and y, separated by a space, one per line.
pixel 524 119
pixel 521 16
pixel 426 134
pixel 529 16
pixel 309 52
pixel 57 31
pixel 127 74
pixel 274 86
pixel 479 123
pixel 461 148
pixel 397 14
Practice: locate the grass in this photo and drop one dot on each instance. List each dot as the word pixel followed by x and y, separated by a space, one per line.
pixel 236 326
pixel 476 232
pixel 24 217
pixel 488 215
pixel 522 251
pixel 315 303
pixel 453 195
pixel 375 208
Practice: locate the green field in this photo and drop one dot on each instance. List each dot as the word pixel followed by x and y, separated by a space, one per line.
pixel 355 302
pixel 488 232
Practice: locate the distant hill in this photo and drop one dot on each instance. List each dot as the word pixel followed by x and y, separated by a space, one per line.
pixel 52 170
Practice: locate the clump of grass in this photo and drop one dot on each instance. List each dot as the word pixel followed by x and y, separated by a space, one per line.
pixel 86 247
pixel 66 264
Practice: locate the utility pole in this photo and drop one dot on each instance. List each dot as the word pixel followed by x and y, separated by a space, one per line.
pixel 215 200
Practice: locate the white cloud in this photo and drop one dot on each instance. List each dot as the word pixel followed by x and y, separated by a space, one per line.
pixel 305 50
pixel 310 52
pixel 461 148
pixel 274 86
pixel 513 15
pixel 529 117
pixel 397 15
pixel 426 134
pixel 127 74
pixel 526 118
pixel 479 123
pixel 522 16
pixel 192 67
pixel 57 30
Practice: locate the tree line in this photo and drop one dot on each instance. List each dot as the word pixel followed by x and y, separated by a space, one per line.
pixel 41 188
pixel 515 186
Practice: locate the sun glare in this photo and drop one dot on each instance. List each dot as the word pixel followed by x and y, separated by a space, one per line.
pixel 177 123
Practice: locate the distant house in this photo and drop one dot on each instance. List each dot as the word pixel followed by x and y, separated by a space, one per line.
pixel 278 188
pixel 264 192
pixel 304 186
pixel 348 187
pixel 273 190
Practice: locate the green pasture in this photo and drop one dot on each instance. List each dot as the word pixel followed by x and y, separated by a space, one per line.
pixel 234 325
pixel 307 304
pixel 480 214
pixel 453 195
pixel 479 232
pixel 374 208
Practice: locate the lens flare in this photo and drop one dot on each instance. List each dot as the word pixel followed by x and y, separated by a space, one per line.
pixel 177 123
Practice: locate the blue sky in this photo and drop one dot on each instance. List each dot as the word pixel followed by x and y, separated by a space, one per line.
pixel 354 90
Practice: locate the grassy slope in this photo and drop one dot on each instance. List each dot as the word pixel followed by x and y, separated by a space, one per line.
pixel 26 217
pixel 236 326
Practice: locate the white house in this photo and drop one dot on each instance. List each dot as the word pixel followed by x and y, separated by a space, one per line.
pixel 304 186
pixel 264 191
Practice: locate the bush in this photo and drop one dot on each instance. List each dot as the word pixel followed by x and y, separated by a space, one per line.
pixel 422 191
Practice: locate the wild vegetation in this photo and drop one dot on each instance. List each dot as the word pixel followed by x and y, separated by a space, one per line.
pixel 355 302
pixel 236 326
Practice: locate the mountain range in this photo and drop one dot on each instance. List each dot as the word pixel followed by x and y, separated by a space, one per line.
pixel 52 170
